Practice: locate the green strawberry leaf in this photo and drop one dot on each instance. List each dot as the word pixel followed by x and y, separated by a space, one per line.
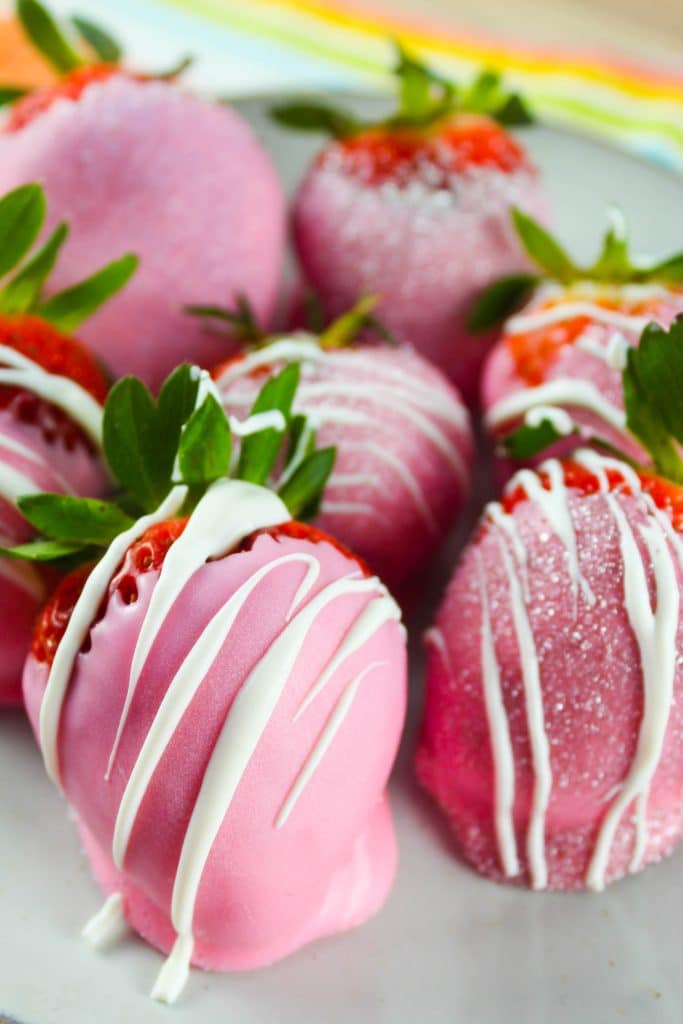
pixel 344 330
pixel 423 91
pixel 108 49
pixel 23 291
pixel 205 444
pixel 22 213
pixel 43 550
pixel 175 405
pixel 653 396
pixel 302 493
pixel 10 93
pixel 316 117
pixel 176 70
pixel 525 442
pixel 543 249
pixel 68 309
pixel 130 438
pixel 668 271
pixel 241 321
pixel 514 112
pixel 499 300
pixel 259 451
pixel 42 30
pixel 300 442
pixel 74 520
pixel 613 263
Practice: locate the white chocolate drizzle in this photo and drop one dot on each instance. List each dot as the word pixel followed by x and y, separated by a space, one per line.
pixel 108 925
pixel 19 371
pixel 499 733
pixel 229 512
pixel 654 628
pixel 565 391
pixel 534 321
pixel 82 616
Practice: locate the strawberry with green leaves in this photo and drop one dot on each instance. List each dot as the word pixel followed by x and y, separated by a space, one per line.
pixel 552 736
pixel 51 395
pixel 135 163
pixel 216 682
pixel 563 352
pixel 414 208
pixel 402 434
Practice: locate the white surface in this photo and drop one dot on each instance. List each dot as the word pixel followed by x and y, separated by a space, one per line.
pixel 449 946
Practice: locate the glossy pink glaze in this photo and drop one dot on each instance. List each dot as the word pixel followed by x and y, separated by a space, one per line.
pixel 393 524
pixel 56 469
pixel 264 891
pixel 143 167
pixel 427 253
pixel 592 692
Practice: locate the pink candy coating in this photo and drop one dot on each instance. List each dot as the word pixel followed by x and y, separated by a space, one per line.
pixel 427 253
pixel 143 167
pixel 592 691
pixel 394 492
pixel 59 469
pixel 265 890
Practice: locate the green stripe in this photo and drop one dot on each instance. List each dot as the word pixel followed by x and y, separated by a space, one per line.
pixel 580 111
pixel 293 38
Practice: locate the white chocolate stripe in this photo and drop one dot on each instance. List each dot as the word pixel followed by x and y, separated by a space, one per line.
pixel 229 511
pixel 249 715
pixel 108 925
pixel 60 391
pixel 402 472
pixel 554 504
pixel 526 322
pixel 579 394
pixel 80 623
pixel 538 740
pixel 330 730
pixel 499 734
pixel 14 484
pixel 10 444
pixel 655 634
pixel 613 354
pixel 183 688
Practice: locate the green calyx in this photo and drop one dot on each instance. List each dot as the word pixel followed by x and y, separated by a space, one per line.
pixel 22 215
pixel 184 437
pixel 614 266
pixel 84 43
pixel 652 382
pixel 425 98
pixel 242 324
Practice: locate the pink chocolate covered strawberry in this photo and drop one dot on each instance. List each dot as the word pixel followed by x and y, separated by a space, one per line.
pixel 561 357
pixel 221 697
pixel 51 395
pixel 401 431
pixel 415 209
pixel 133 162
pixel 553 728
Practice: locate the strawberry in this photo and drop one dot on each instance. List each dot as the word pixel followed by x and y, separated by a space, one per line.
pixel 260 615
pixel 402 434
pixel 414 209
pixel 51 392
pixel 554 709
pixel 137 164
pixel 567 347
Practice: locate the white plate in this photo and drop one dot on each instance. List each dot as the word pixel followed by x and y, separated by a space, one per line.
pixel 448 946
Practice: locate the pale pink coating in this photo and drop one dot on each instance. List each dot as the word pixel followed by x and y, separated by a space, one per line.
pixel 264 890
pixel 501 379
pixel 426 252
pixel 592 695
pixel 404 450
pixel 54 468
pixel 144 167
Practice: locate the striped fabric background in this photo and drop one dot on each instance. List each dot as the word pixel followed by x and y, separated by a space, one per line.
pixel 250 46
